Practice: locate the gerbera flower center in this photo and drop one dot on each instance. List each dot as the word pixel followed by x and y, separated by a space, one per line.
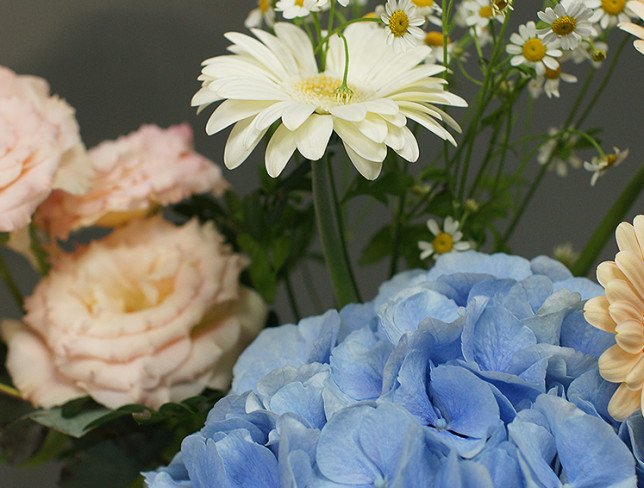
pixel 553 74
pixel 324 92
pixel 486 12
pixel 564 25
pixel 434 39
pixel 264 5
pixel 613 7
pixel 534 50
pixel 399 23
pixel 423 3
pixel 443 243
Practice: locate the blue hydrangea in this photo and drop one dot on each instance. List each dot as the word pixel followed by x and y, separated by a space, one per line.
pixel 480 372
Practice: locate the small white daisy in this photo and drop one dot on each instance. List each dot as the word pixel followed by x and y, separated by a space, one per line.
pixel 595 53
pixel 550 82
pixel 565 254
pixel 479 13
pixel 569 23
pixel 402 21
pixel 637 7
pixel 535 87
pixel 446 240
pixel 608 13
pixel 430 10
pixel 528 49
pixel 264 12
pixel 565 155
pixel 292 9
pixel 600 165
pixel 434 39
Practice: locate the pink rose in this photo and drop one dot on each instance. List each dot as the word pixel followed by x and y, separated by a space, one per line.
pixel 133 175
pixel 152 313
pixel 40 148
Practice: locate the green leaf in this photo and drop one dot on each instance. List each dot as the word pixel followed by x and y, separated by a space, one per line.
pixel 280 250
pixel 75 426
pixel 261 272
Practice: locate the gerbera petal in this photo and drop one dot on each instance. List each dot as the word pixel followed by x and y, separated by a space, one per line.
pixel 624 402
pixel 607 272
pixel 630 336
pixel 362 145
pixel 295 114
pixel 313 136
pixel 615 363
pixel 369 169
pixel 633 267
pixel 232 111
pixel 237 149
pixel 279 150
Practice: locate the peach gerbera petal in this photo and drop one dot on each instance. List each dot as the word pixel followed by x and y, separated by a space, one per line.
pixel 623 311
pixel 615 363
pixel 626 237
pixel 630 336
pixel 596 313
pixel 635 377
pixel 633 267
pixel 620 291
pixel 624 402
pixel 607 272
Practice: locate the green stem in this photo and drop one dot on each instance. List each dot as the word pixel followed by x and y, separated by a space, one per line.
pixel 604 82
pixel 38 251
pixel 607 226
pixel 393 264
pixel 329 228
pixel 486 160
pixel 10 391
pixel 580 97
pixel 291 297
pixel 12 286
pixel 504 150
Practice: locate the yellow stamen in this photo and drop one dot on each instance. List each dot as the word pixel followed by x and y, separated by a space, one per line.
pixel 534 50
pixel 264 6
pixel 564 25
pixel 423 3
pixel 553 74
pixel 324 92
pixel 486 12
pixel 443 243
pixel 613 7
pixel 299 3
pixel 434 39
pixel 398 23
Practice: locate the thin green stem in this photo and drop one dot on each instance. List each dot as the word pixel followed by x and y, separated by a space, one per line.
pixel 603 84
pixel 10 391
pixel 329 228
pixel 504 150
pixel 12 286
pixel 607 226
pixel 580 96
pixel 393 264
pixel 295 309
pixel 486 159
pixel 38 251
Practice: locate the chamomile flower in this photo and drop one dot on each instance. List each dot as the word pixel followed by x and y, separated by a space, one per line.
pixel 264 12
pixel 600 165
pixel 292 9
pixel 594 52
pixel 434 39
pixel 478 13
pixel 551 79
pixel 569 22
pixel 565 253
pixel 430 10
pixel 528 49
pixel 609 12
pixel 637 7
pixel 564 156
pixel 502 6
pixel 275 81
pixel 446 240
pixel 402 21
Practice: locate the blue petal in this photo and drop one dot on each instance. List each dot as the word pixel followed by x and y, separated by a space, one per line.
pixel 586 288
pixel 580 335
pixel 553 269
pixel 498 265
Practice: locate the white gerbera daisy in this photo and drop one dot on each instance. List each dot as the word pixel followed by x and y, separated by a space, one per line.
pixel 528 49
pixel 402 21
pixel 292 9
pixel 637 7
pixel 569 23
pixel 607 13
pixel 264 12
pixel 276 80
pixel 446 240
pixel 600 165
pixel 430 10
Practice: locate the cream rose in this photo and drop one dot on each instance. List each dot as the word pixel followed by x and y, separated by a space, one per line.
pixel 40 148
pixel 153 313
pixel 132 175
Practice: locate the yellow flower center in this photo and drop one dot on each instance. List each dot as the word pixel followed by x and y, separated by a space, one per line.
pixel 613 7
pixel 564 25
pixel 264 5
pixel 486 12
pixel 299 3
pixel 370 15
pixel 398 23
pixel 434 39
pixel 610 160
pixel 423 3
pixel 553 74
pixel 501 5
pixel 443 243
pixel 324 92
pixel 534 50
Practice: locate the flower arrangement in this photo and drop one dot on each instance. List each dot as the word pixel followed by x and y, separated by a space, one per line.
pixel 142 340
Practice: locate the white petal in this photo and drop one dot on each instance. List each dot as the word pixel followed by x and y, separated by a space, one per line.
pixel 236 150
pixel 279 150
pixel 369 169
pixel 365 147
pixel 295 114
pixel 313 136
pixel 231 111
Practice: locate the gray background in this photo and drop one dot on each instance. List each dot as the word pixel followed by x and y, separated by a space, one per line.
pixel 123 63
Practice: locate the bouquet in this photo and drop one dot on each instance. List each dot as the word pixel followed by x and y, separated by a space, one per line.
pixel 151 347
